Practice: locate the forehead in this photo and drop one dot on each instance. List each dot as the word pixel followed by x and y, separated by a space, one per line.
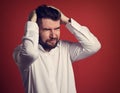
pixel 49 23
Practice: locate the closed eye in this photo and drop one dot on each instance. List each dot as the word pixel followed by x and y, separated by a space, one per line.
pixel 46 29
pixel 49 29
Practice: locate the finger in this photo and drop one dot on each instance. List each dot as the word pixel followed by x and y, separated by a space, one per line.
pixel 32 16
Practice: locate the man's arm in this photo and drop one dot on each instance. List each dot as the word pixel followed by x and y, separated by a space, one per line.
pixel 87 44
pixel 28 52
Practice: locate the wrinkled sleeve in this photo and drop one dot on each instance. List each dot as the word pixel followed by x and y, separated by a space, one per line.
pixel 87 44
pixel 27 53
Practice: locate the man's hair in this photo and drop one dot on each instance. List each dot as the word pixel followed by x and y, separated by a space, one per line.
pixel 45 11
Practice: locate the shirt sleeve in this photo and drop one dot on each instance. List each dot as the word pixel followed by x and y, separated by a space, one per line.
pixel 87 43
pixel 28 51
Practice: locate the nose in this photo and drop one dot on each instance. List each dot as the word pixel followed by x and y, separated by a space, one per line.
pixel 52 33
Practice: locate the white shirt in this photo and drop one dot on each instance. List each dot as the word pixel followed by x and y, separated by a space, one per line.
pixel 52 72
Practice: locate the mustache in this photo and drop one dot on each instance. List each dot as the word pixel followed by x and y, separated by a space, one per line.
pixel 52 39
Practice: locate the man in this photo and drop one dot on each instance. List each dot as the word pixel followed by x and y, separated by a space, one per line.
pixel 44 60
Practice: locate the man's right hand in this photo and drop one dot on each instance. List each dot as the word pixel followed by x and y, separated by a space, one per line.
pixel 32 16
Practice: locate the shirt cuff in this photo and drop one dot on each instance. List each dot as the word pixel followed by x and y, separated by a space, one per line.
pixel 73 24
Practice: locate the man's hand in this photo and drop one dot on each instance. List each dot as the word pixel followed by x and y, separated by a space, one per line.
pixel 64 19
pixel 33 16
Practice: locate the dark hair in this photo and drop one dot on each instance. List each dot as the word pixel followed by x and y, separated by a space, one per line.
pixel 45 11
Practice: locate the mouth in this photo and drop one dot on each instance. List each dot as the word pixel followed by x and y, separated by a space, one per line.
pixel 52 42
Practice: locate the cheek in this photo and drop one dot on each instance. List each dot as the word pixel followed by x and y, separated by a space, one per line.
pixel 44 36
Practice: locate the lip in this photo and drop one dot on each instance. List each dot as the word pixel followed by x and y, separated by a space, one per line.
pixel 52 42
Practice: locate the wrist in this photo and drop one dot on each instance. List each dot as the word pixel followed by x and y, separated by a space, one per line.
pixel 67 20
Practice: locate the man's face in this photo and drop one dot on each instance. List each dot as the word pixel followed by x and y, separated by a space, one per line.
pixel 49 33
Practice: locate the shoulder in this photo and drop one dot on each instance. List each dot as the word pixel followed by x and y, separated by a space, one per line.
pixel 70 45
pixel 65 43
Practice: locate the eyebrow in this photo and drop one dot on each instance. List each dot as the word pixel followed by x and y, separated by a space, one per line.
pixel 57 28
pixel 50 28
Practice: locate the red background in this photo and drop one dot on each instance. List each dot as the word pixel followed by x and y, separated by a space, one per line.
pixel 99 73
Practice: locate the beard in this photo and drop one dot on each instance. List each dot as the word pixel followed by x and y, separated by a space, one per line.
pixel 49 43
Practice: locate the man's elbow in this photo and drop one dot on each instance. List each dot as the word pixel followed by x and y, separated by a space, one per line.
pixel 29 54
pixel 96 47
pixel 93 48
